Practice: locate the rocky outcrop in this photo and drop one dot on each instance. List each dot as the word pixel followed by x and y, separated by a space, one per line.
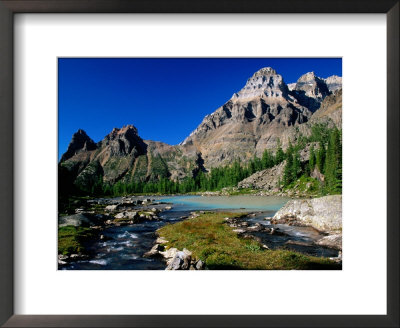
pixel 331 241
pixel 310 90
pixel 269 179
pixel 123 142
pixel 82 219
pixel 330 110
pixel 323 214
pixel 266 180
pixel 334 83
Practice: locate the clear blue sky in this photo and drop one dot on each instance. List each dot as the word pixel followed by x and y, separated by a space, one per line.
pixel 165 99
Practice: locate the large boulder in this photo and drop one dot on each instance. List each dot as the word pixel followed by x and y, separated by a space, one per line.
pixel 127 215
pixel 181 260
pixel 82 219
pixel 112 207
pixel 323 214
pixel 332 241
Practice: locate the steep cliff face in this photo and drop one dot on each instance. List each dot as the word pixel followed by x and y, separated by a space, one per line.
pixel 330 110
pixel 256 117
pixel 310 90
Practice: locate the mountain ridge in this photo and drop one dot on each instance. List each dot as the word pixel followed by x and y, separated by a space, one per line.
pixel 263 114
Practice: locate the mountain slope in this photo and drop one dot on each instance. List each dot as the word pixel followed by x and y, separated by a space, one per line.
pixel 123 156
pixel 256 117
pixel 263 114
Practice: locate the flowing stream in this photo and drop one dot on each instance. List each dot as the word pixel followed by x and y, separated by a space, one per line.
pixel 123 246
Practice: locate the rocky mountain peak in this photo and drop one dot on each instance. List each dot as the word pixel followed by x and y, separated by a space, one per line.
pixel 265 71
pixel 122 141
pixel 127 129
pixel 266 83
pixel 80 142
pixel 310 90
pixel 334 83
pixel 307 77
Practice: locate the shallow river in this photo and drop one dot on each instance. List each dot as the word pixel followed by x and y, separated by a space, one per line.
pixel 125 245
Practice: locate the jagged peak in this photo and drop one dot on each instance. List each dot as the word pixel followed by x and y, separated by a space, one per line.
pixel 307 77
pixel 129 128
pixel 333 78
pixel 80 132
pixel 265 71
pixel 80 142
pixel 266 82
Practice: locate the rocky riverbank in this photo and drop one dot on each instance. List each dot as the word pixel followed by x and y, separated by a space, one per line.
pixel 323 214
pixel 92 216
pixel 132 232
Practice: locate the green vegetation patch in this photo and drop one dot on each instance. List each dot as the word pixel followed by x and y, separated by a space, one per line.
pixel 71 239
pixel 306 185
pixel 214 242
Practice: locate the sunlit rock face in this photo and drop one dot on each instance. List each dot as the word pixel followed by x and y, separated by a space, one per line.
pixel 310 91
pixel 334 83
pixel 263 114
pixel 264 83
pixel 264 111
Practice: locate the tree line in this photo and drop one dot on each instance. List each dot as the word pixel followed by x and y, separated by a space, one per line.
pixel 325 158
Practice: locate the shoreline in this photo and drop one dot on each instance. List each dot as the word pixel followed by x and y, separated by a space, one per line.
pixel 124 207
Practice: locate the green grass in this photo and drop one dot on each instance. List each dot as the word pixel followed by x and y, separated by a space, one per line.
pixel 305 184
pixel 214 242
pixel 244 191
pixel 71 239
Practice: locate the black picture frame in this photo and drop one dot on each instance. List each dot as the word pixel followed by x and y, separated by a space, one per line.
pixel 10 7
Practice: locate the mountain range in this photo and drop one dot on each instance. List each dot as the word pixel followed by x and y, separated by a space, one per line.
pixel 264 113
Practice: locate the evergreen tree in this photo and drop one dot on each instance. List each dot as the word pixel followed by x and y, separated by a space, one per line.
pixel 320 159
pixel 312 159
pixel 280 155
pixel 296 167
pixel 287 173
pixel 267 159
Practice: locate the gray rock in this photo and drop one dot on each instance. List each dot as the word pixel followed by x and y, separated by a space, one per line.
pixel 161 240
pixel 332 241
pixel 199 265
pixel 239 231
pixel 112 207
pixel 323 214
pixel 175 264
pixel 181 260
pixel 334 83
pixel 154 252
pixel 266 180
pixel 82 219
pixel 255 228
pixel 127 215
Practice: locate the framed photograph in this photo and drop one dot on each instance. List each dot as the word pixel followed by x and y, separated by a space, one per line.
pixel 251 148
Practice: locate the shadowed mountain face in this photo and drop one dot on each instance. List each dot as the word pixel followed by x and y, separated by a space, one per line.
pixel 123 156
pixel 264 111
pixel 80 143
